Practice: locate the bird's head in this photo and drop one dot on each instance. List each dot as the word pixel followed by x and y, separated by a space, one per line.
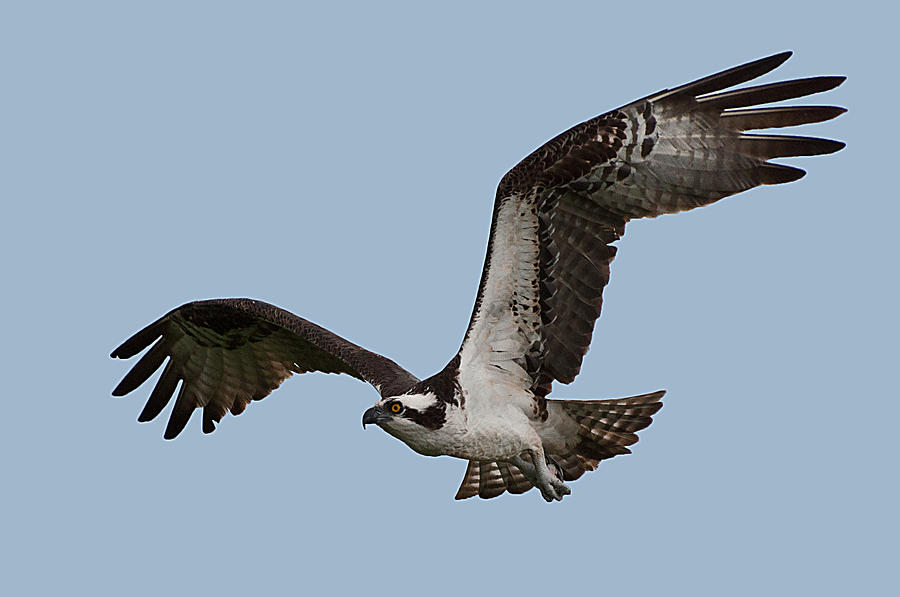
pixel 407 415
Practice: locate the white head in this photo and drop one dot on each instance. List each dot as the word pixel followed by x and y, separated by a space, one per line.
pixel 429 417
pixel 412 412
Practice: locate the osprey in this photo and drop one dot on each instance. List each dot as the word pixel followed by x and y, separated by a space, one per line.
pixel 556 217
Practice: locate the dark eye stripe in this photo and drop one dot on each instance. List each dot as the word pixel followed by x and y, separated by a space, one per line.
pixel 432 417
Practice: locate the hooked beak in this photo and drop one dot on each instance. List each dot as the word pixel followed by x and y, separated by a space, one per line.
pixel 374 415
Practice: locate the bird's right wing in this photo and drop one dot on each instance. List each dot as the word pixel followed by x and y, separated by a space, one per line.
pixel 558 213
pixel 228 352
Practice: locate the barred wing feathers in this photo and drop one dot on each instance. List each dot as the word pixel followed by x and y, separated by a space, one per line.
pixel 229 352
pixel 558 211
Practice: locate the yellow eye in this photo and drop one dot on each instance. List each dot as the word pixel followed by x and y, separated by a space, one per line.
pixel 395 407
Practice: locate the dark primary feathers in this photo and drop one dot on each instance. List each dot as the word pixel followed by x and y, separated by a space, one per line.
pixel 671 151
pixel 556 217
pixel 228 352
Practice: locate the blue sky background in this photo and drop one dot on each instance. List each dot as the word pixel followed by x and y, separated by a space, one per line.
pixel 340 162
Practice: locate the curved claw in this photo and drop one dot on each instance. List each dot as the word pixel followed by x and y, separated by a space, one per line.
pixel 556 491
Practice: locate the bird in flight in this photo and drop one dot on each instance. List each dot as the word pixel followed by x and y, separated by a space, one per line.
pixel 557 215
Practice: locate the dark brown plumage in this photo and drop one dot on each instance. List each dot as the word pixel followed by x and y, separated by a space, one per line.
pixel 229 352
pixel 671 151
pixel 556 217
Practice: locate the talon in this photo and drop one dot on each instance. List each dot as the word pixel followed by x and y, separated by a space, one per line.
pixel 554 468
pixel 561 489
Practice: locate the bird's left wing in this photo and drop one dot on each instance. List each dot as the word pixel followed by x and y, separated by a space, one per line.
pixel 558 211
pixel 228 352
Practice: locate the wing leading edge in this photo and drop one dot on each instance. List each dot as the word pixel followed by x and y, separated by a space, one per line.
pixel 557 212
pixel 229 352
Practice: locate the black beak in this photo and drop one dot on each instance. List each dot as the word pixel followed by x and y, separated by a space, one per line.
pixel 373 415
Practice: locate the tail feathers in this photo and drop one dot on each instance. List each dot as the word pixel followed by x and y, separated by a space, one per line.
pixel 604 429
pixel 490 479
pixel 616 418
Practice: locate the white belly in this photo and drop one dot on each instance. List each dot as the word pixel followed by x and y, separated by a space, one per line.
pixel 498 438
pixel 491 422
pixel 496 424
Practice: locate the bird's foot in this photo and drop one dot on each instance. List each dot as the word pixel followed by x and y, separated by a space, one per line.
pixel 544 473
pixel 557 489
pixel 554 468
pixel 554 489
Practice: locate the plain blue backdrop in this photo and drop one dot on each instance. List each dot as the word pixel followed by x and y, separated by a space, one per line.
pixel 340 161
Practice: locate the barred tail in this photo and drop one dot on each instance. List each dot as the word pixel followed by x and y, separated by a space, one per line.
pixel 604 428
pixel 490 479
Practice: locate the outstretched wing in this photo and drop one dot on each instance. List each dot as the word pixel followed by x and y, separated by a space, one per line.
pixel 228 352
pixel 558 212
